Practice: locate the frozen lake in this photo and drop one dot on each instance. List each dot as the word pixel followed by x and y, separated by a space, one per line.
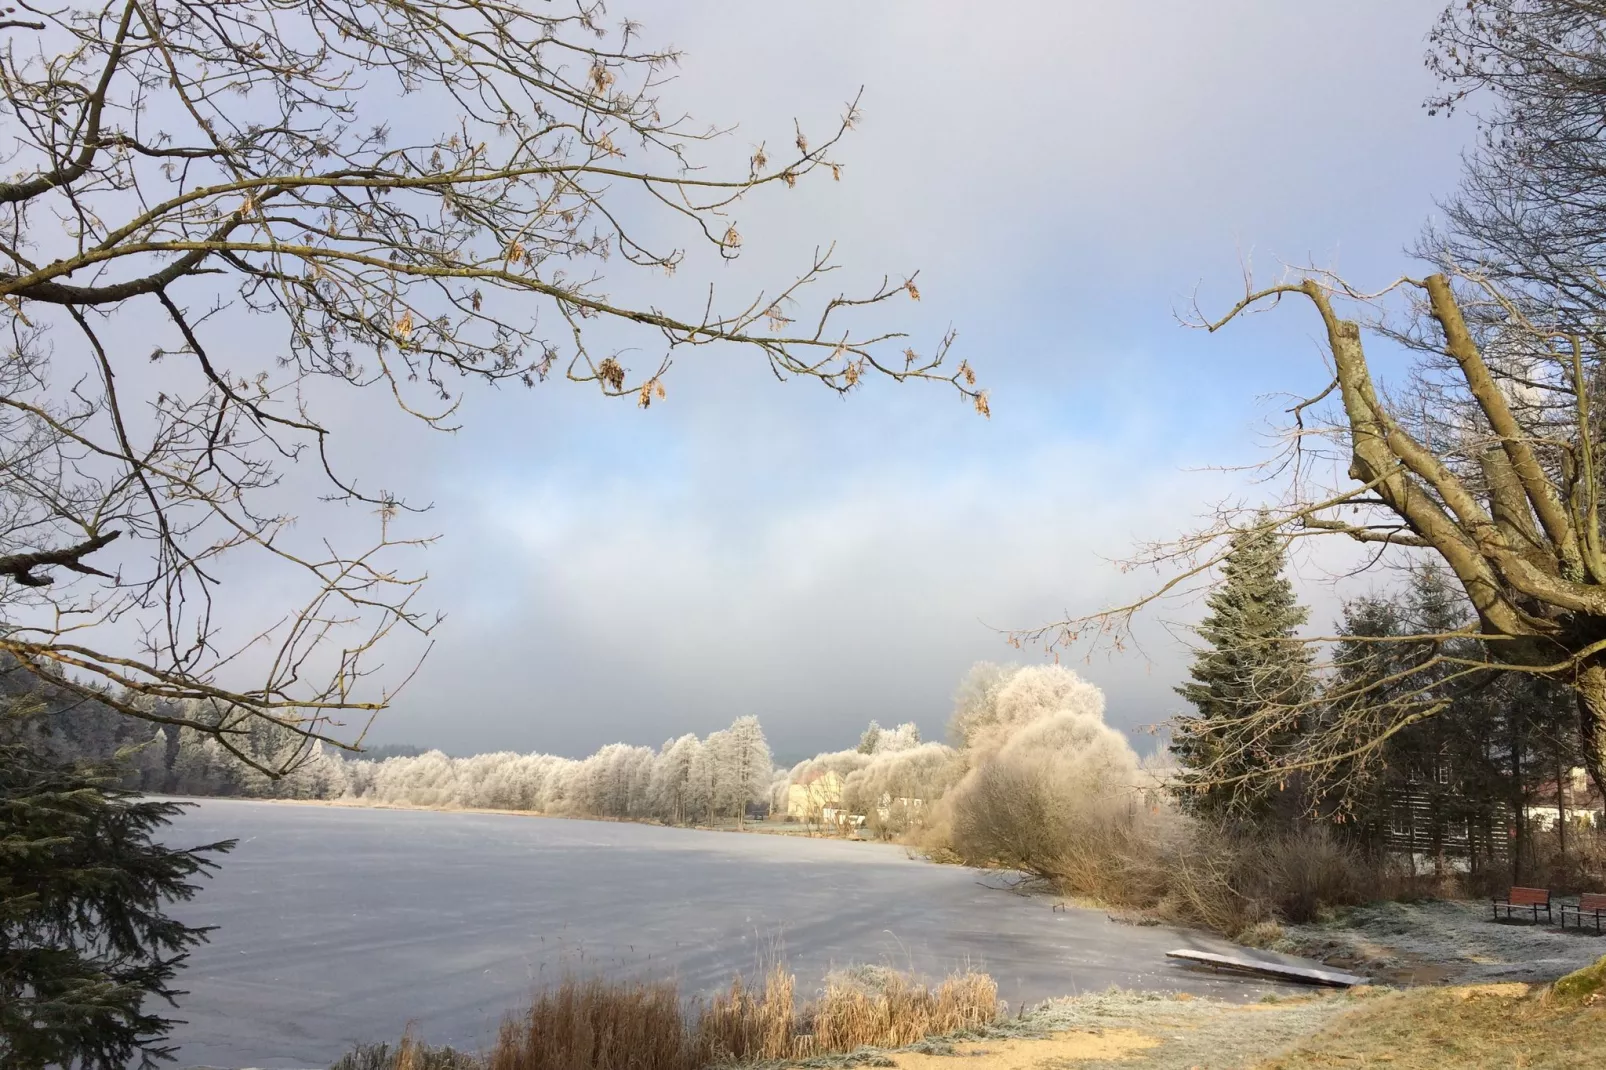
pixel 339 925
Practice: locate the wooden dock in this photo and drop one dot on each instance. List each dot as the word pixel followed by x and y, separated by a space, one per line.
pixel 1310 975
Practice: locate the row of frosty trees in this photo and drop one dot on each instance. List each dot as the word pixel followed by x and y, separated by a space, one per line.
pixel 890 778
pixel 686 781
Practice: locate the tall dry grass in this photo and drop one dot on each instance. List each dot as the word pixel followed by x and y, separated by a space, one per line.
pixel 590 1023
pixel 1566 864
pixel 1134 850
pixel 747 1024
pixel 593 1024
pixel 887 1009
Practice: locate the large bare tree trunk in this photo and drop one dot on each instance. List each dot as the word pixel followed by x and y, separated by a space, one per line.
pixel 1497 472
pixel 1591 687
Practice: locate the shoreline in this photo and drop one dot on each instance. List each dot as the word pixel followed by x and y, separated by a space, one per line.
pixel 756 828
pixel 1497 977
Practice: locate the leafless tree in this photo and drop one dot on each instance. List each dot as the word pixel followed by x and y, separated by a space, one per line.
pixel 1488 458
pixel 217 215
pixel 1531 209
pixel 1487 455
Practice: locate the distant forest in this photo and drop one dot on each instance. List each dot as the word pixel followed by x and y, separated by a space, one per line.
pixel 727 774
pixel 885 781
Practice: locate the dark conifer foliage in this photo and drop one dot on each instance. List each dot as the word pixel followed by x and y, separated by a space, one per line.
pixel 1390 684
pixel 85 944
pixel 1465 749
pixel 1248 664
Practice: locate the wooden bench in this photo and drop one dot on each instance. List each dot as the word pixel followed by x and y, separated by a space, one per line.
pixel 1591 908
pixel 1524 899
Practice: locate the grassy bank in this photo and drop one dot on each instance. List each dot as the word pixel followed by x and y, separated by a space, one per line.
pixel 1471 1026
pixel 874 1017
pixel 1466 1026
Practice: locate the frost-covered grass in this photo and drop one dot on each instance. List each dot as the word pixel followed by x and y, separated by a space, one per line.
pixel 586 1025
pixel 1440 941
pixel 1475 1027
pixel 1141 1031
pixel 1483 1025
pixel 1190 1032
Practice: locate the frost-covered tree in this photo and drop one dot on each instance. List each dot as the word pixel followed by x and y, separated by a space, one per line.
pixel 750 765
pixel 779 790
pixel 904 737
pixel 202 767
pixel 612 780
pixel 878 740
pixel 997 701
pixel 1045 771
pixel 897 789
pixel 706 786
pixel 203 764
pixel 976 698
pixel 1032 758
pixel 672 775
pixel 686 780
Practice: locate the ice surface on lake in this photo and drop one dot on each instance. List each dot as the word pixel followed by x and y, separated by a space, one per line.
pixel 339 925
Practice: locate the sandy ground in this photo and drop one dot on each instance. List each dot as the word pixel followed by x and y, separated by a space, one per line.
pixel 1013 1053
pixel 1120 1030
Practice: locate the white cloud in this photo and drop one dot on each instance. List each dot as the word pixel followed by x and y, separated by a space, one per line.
pixel 1061 172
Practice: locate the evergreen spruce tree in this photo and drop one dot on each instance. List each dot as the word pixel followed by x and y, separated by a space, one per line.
pixel 1247 665
pixel 84 941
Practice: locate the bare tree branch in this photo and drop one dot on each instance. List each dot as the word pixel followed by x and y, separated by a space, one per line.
pixel 219 217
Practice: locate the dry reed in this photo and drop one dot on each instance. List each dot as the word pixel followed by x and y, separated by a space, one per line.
pixel 897 1011
pixel 744 1024
pixel 592 1024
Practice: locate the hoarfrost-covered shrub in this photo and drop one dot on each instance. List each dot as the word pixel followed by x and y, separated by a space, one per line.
pixel 844 763
pixel 1030 695
pixel 897 789
pixel 1042 761
pixel 1034 806
pixel 1051 789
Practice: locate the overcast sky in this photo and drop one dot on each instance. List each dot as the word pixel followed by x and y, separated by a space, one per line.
pixel 1064 175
